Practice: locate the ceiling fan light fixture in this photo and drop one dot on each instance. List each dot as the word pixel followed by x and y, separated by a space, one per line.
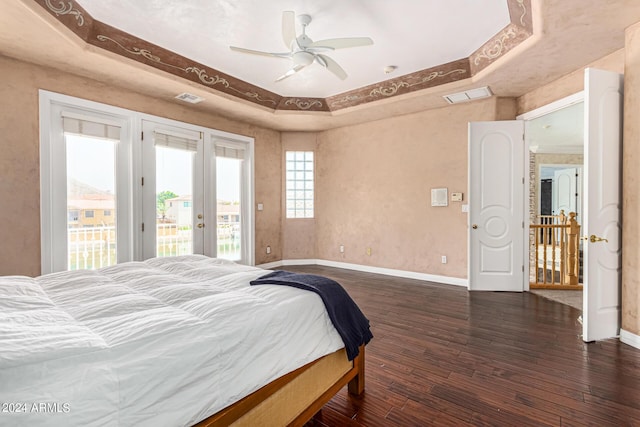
pixel 303 51
pixel 303 58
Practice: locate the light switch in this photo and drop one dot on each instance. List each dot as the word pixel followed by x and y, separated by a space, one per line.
pixel 456 197
pixel 260 206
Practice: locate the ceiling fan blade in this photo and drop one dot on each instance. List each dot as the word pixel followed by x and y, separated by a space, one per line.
pixel 286 55
pixel 291 72
pixel 288 28
pixel 332 66
pixel 342 43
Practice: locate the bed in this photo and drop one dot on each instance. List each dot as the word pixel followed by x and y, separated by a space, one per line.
pixel 174 341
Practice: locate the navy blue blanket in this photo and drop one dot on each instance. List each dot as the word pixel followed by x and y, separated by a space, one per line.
pixel 346 316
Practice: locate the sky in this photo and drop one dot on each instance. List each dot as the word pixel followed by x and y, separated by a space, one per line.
pixel 92 161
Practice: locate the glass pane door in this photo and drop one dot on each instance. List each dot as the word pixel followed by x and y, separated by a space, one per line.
pixel 228 207
pixel 174 201
pixel 91 202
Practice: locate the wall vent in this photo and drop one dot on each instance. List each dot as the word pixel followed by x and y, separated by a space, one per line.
pixel 190 98
pixel 469 95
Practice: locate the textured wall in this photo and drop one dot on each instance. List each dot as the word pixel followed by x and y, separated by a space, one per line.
pixel 569 84
pixel 631 185
pixel 19 156
pixel 374 190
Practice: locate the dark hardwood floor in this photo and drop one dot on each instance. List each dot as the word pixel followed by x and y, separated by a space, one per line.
pixel 444 356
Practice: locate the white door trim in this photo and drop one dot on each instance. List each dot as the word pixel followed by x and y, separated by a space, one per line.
pixel 576 98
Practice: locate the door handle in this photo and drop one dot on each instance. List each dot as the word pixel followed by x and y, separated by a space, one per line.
pixel 199 216
pixel 474 226
pixel 595 238
pixel 201 225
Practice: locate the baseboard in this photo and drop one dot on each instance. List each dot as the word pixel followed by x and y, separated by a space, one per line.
pixel 629 338
pixel 456 281
pixel 270 265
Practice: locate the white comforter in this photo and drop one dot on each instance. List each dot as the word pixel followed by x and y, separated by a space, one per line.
pixel 165 342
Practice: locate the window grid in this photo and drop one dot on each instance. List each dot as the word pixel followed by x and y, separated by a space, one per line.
pixel 300 184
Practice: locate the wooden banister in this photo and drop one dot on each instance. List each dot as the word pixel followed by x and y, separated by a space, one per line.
pixel 557 245
pixel 573 259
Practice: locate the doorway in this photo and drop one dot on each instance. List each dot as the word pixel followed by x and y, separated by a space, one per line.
pixel 600 232
pixel 555 142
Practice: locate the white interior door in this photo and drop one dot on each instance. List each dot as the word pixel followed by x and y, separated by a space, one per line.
pixel 564 191
pixel 496 206
pixel 603 138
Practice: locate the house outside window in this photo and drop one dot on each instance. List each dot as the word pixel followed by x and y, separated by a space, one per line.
pixel 88 214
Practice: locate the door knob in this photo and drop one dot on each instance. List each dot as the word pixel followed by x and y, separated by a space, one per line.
pixel 595 238
pixel 199 216
pixel 201 225
pixel 474 226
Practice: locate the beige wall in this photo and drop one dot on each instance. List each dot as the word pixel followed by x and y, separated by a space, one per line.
pixel 19 156
pixel 631 185
pixel 568 85
pixel 374 190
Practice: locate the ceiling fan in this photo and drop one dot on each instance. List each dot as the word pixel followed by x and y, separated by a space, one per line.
pixel 303 51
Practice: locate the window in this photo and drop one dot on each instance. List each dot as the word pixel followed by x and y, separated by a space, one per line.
pixel 98 194
pixel 299 187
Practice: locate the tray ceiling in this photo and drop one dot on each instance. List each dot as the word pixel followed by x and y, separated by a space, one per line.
pixel 429 42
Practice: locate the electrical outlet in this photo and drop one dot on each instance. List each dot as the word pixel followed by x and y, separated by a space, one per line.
pixel 369 251
pixel 268 249
pixel 341 249
pixel 444 259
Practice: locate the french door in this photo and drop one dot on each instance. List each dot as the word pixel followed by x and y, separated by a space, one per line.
pixel 173 189
pixel 196 194
pixel 119 185
pixel 601 225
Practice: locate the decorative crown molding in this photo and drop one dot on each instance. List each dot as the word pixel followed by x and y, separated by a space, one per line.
pixel 435 76
pixel 66 9
pixel 99 34
pixel 304 104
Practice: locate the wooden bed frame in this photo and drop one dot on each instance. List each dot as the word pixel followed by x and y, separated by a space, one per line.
pixel 295 397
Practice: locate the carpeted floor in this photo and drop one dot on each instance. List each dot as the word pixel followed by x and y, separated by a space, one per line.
pixel 571 298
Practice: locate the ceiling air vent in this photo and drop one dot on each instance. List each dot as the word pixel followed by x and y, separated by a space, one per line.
pixel 189 97
pixel 469 95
